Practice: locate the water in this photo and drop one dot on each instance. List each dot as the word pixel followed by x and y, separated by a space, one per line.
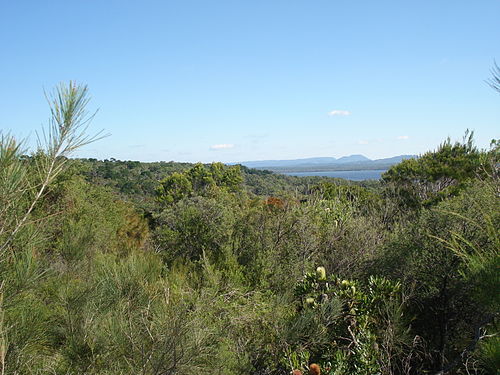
pixel 373 174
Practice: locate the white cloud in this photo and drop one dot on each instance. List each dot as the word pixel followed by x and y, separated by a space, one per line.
pixel 363 142
pixel 403 137
pixel 339 112
pixel 223 146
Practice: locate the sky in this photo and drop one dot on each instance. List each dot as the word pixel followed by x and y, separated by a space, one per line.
pixel 234 80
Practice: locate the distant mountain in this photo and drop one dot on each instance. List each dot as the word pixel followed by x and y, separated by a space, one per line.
pixel 352 159
pixel 345 163
pixel 287 163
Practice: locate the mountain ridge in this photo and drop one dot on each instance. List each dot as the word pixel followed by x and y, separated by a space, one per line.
pixel 350 162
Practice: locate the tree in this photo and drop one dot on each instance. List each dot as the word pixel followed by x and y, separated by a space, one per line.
pixel 66 133
pixel 24 184
pixel 174 187
pixel 436 175
pixel 199 180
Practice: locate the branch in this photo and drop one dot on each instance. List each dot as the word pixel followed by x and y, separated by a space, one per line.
pixel 478 336
pixel 67 132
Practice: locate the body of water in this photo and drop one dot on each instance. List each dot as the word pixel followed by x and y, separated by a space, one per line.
pixel 373 174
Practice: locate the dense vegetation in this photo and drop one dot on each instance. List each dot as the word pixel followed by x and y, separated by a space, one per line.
pixel 120 267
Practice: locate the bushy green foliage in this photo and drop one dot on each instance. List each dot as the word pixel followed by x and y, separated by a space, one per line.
pixel 437 175
pixel 361 198
pixel 199 180
pixel 447 256
pixel 348 327
pixel 129 178
pixel 195 227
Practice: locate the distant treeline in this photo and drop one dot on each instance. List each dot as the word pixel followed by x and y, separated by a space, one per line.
pixel 139 179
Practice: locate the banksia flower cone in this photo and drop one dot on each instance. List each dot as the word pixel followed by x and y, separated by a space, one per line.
pixel 321 273
pixel 314 369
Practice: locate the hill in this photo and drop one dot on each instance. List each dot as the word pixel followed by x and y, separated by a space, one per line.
pixel 319 164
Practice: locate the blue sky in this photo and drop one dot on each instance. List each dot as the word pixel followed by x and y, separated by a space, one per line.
pixel 251 80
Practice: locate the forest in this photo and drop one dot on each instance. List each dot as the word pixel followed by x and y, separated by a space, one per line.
pixel 123 267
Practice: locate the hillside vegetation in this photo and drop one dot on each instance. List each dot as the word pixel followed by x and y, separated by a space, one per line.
pixel 120 267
